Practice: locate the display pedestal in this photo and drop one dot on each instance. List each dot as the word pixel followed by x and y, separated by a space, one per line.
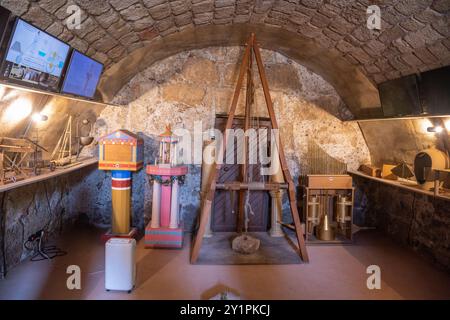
pixel 164 238
pixel 121 152
pixel 133 234
pixel 164 230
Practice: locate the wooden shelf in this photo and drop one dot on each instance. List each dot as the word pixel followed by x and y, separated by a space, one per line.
pixel 422 116
pixel 53 94
pixel 49 175
pixel 398 184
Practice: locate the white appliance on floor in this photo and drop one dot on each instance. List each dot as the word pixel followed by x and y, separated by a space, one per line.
pixel 120 265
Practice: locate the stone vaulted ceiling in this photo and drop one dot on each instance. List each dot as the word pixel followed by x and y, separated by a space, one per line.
pixel 330 37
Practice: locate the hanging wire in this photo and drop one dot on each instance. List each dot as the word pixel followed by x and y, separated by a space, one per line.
pixel 250 100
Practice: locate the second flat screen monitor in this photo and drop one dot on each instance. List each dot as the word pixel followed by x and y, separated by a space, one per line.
pixel 83 75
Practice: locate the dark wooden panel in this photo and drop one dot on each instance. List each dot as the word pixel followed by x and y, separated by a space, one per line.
pixel 225 209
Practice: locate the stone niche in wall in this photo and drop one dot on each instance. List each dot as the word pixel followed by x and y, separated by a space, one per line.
pixel 196 85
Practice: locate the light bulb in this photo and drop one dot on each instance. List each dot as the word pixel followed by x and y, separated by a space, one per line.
pixel 38 117
pixel 436 129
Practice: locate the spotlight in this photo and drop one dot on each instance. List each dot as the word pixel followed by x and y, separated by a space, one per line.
pixel 436 129
pixel 18 110
pixel 38 117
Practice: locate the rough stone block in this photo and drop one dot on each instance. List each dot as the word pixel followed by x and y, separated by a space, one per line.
pixel 183 19
pixel 152 3
pixel 51 5
pixel 38 17
pixel 122 4
pixel 143 23
pixel 202 7
pixel 105 43
pixel 203 18
pixel 164 25
pixel 55 29
pixel 95 7
pixel 108 18
pixel 245 244
pixel 135 12
pixel 190 95
pixel 79 44
pixel 160 12
pixel 201 71
pixel 16 7
pixel 225 12
pixel 180 6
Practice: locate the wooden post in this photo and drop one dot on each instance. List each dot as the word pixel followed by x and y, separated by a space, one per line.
pixel 244 167
pixel 209 198
pixel 284 167
pixel 2 170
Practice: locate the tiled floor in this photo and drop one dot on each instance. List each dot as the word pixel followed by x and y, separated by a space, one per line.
pixel 334 272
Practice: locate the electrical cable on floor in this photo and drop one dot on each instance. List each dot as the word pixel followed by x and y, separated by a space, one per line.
pixel 35 243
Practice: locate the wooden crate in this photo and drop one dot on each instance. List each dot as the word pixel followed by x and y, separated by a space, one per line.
pixel 370 170
pixel 319 181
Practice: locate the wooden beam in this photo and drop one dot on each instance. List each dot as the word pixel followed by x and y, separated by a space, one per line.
pixel 211 189
pixel 244 167
pixel 284 166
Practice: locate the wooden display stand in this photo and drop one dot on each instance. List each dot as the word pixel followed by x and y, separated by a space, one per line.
pixel 164 230
pixel 167 175
pixel 121 152
pixel 324 193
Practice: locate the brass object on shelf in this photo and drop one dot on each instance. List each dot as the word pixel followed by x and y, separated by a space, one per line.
pixel 325 231
pixel 343 206
pixel 313 212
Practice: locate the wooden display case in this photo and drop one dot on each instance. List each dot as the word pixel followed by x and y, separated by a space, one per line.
pixel 333 194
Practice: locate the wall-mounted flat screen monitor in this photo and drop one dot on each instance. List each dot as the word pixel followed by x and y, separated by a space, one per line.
pixel 435 91
pixel 400 97
pixel 82 76
pixel 34 57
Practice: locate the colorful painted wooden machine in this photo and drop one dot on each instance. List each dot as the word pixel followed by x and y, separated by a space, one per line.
pixel 121 152
pixel 164 230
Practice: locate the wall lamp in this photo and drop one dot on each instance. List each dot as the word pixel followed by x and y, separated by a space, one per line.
pixel 38 117
pixel 435 129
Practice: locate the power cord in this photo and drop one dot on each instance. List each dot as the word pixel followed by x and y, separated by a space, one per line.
pixel 35 243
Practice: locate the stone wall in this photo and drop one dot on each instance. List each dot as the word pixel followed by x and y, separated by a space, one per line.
pixel 53 205
pixel 197 85
pixel 415 220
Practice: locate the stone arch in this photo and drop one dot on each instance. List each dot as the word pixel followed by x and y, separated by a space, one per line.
pixel 356 90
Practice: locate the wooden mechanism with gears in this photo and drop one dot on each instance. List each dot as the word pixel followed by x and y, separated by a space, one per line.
pixel 246 186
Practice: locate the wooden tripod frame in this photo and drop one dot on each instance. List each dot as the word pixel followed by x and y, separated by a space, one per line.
pixel 212 179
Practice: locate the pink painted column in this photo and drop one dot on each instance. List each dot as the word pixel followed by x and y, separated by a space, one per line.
pixel 166 197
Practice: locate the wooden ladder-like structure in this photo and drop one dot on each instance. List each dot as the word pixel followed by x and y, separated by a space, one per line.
pixel 251 46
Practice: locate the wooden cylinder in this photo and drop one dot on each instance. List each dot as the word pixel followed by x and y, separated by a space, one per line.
pixel 121 202
pixel 207 170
